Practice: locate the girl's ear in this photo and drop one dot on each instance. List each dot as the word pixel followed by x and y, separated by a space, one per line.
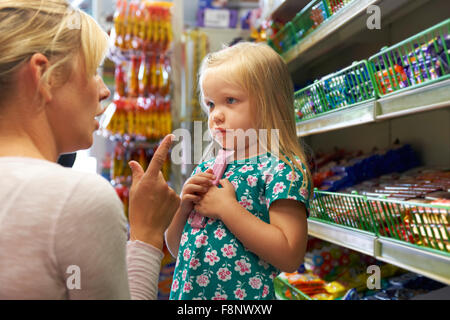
pixel 38 65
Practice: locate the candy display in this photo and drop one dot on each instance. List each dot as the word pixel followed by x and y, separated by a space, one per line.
pixel 148 118
pixel 305 21
pixel 330 262
pixel 147 75
pixel 284 39
pixel 419 224
pixel 197 41
pixel 143 38
pixel 346 169
pixel 425 183
pixel 332 272
pixel 384 193
pixel 143 26
pixel 417 60
pixel 142 42
pixel 336 5
pixel 345 88
pixel 309 18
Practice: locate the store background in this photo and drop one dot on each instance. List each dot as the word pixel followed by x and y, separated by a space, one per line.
pixel 427 132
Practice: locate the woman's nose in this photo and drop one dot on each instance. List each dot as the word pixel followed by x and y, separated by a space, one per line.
pixel 104 92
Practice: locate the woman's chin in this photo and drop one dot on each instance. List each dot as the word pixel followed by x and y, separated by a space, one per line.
pixel 86 144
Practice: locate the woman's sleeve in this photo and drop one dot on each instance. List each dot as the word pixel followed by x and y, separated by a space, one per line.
pixel 90 247
pixel 144 263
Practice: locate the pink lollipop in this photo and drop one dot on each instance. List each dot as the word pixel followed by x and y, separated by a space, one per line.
pixel 219 166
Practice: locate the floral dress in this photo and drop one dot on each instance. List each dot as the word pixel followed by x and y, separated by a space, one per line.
pixel 212 263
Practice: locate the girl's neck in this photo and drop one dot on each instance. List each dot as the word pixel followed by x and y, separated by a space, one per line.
pixel 248 152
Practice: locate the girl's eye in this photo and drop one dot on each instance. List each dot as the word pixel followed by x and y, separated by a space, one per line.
pixel 231 100
pixel 210 104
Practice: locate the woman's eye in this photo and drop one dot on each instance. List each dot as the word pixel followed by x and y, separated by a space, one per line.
pixel 231 100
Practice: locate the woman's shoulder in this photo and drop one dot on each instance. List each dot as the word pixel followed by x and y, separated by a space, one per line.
pixel 53 180
pixel 60 193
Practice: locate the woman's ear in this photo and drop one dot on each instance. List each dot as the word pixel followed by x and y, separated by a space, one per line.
pixel 38 65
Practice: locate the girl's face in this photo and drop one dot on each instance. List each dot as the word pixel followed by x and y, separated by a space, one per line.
pixel 229 109
pixel 74 107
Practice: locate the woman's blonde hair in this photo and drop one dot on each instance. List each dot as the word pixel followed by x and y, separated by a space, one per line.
pixel 263 74
pixel 50 27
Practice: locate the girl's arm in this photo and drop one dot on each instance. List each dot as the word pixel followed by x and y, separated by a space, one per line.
pixel 281 243
pixel 173 233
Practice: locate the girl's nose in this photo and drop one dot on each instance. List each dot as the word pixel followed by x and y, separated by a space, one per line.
pixel 218 117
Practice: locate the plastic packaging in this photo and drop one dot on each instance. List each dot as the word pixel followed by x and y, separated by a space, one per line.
pixel 219 166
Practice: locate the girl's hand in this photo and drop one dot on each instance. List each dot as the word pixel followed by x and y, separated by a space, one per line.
pixel 194 189
pixel 216 201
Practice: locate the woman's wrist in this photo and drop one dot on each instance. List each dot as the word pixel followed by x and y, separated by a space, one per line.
pixel 155 239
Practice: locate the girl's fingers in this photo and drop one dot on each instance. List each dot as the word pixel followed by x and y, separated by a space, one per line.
pixel 191 197
pixel 206 174
pixel 200 180
pixel 194 188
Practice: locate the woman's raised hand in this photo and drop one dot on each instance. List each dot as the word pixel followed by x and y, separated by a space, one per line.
pixel 152 202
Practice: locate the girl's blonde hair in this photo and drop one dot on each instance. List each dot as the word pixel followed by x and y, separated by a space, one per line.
pixel 263 74
pixel 50 27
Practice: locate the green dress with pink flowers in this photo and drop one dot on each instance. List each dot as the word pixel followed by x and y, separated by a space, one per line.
pixel 212 263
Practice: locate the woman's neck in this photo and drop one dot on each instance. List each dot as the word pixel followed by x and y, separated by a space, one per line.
pixel 21 138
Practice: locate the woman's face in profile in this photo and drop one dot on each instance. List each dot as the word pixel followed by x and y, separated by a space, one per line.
pixel 73 108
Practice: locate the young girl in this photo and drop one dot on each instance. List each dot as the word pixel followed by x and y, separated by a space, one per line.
pixel 256 221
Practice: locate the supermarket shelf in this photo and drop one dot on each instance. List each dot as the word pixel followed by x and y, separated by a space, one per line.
pixel 422 99
pixel 426 98
pixel 341 28
pixel 338 119
pixel 423 261
pixel 287 10
pixel 220 36
pixel 360 241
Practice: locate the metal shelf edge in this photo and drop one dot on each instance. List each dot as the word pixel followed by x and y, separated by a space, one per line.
pixel 360 241
pixel 432 265
pixel 355 8
pixel 429 264
pixel 425 98
pixel 339 119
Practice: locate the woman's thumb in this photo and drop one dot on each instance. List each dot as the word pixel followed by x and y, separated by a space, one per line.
pixel 136 171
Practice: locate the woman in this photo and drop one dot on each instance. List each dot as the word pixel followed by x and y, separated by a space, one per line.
pixel 63 233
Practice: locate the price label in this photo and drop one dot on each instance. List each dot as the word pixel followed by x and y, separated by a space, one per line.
pixel 217 18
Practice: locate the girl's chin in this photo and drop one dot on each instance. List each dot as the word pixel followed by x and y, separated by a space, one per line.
pixel 226 146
